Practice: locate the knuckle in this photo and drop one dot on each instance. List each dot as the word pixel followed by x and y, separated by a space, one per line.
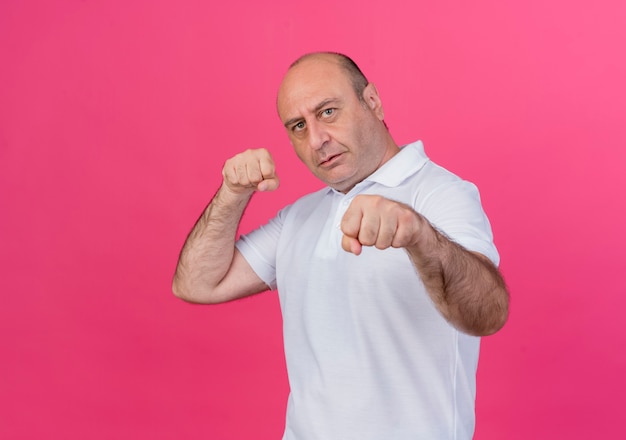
pixel 382 245
pixel 367 235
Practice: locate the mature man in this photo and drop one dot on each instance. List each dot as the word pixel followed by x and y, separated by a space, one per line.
pixel 386 277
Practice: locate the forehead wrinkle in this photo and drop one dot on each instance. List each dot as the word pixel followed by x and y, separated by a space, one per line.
pixel 306 79
pixel 324 103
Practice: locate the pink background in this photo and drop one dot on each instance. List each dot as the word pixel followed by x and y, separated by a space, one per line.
pixel 115 120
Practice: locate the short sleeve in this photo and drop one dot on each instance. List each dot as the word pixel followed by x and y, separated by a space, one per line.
pixel 259 247
pixel 455 209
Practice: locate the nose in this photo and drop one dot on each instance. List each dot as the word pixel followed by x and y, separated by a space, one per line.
pixel 318 135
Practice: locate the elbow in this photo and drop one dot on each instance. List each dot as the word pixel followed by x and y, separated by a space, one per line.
pixel 180 291
pixel 502 318
pixel 485 318
pixel 189 294
pixel 493 326
pixel 496 324
pixel 495 317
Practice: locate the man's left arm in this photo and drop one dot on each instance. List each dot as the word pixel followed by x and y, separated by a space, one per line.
pixel 465 286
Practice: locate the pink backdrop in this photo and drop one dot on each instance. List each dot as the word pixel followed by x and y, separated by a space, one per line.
pixel 115 120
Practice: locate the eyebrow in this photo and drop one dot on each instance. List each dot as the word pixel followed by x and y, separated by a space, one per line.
pixel 317 108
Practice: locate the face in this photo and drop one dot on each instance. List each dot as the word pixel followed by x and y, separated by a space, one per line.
pixel 340 138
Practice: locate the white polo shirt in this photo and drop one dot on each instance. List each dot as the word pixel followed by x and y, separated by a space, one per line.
pixel 368 355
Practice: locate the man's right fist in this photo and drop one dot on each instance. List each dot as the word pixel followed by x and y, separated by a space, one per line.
pixel 252 170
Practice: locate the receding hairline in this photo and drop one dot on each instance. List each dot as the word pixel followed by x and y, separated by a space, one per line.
pixel 347 64
pixel 337 56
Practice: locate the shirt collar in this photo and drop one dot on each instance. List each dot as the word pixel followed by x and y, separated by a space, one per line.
pixel 407 162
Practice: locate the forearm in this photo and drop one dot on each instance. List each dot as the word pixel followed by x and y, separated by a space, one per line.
pixel 207 254
pixel 466 287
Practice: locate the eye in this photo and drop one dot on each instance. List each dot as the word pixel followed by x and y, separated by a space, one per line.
pixel 298 127
pixel 328 112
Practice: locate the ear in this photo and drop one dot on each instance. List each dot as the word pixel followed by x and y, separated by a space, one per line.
pixel 372 100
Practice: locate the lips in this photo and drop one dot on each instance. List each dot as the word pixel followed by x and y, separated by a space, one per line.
pixel 329 159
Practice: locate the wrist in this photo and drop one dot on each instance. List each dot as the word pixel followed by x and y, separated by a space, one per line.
pixel 228 196
pixel 427 240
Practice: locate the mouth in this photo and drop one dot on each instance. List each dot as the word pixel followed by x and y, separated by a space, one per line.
pixel 330 160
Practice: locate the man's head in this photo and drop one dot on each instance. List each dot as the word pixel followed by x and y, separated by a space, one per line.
pixel 334 119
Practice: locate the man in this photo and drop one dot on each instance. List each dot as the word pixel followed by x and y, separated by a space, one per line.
pixel 386 277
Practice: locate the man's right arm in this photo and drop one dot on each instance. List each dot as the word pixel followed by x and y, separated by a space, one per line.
pixel 210 269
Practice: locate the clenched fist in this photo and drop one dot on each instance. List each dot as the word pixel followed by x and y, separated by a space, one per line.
pixel 252 170
pixel 376 221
